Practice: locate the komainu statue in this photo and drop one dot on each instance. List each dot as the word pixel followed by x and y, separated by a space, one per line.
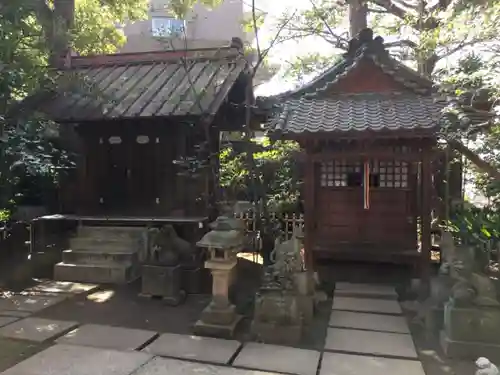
pixel 167 249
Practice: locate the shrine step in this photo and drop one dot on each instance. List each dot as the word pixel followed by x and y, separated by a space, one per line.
pixel 101 257
pixel 104 244
pixel 91 273
pixel 107 232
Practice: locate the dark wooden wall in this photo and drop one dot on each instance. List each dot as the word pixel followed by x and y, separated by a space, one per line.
pixel 119 175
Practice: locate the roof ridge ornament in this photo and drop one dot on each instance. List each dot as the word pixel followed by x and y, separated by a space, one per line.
pixel 364 42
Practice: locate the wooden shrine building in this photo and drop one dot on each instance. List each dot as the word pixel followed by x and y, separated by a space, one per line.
pixel 146 120
pixel 367 127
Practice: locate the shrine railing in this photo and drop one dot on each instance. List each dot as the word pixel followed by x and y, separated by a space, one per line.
pixel 285 222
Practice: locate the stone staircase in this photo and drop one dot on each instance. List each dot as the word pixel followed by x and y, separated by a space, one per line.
pixel 102 255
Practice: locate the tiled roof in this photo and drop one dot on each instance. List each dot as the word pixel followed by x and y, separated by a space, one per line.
pixel 149 85
pixel 316 107
pixel 364 47
pixel 357 112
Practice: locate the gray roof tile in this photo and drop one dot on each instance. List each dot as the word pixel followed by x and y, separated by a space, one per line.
pixel 358 112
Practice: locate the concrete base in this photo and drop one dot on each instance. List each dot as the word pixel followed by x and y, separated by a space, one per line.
pixel 273 333
pixel 225 331
pixel 113 274
pixel 468 350
pixel 102 255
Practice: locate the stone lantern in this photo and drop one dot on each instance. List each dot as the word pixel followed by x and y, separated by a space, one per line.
pixel 223 243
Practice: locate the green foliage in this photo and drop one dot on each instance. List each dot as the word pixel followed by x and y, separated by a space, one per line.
pixel 26 35
pixel 181 8
pixel 276 171
pixel 474 225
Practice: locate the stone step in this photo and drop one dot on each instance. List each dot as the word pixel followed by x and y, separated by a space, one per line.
pixel 112 274
pixel 104 232
pixel 104 245
pixel 99 257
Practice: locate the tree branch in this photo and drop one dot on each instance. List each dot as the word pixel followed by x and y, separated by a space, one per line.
pixel 475 159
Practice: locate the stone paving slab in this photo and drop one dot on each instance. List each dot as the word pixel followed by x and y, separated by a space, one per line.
pixel 15 313
pixel 278 358
pixel 366 305
pixel 4 320
pixel 108 337
pixel 168 366
pixel 365 290
pixel 346 364
pixel 30 303
pixel 62 287
pixel 36 329
pixel 198 348
pixel 374 322
pixel 80 360
pixel 370 342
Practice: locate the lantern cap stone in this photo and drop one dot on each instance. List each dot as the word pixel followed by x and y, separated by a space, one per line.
pixel 225 223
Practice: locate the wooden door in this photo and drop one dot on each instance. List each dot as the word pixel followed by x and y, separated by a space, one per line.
pixel 115 182
pixel 342 220
pixel 144 196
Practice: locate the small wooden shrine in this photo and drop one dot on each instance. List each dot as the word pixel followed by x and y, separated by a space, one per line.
pixel 146 115
pixel 367 127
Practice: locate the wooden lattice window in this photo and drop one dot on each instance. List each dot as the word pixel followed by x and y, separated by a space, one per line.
pixel 340 173
pixel 391 174
pixel 383 174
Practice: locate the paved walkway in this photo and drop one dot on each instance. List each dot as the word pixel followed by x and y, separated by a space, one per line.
pixel 367 335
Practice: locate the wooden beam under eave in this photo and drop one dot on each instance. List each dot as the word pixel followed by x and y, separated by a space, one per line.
pixel 355 154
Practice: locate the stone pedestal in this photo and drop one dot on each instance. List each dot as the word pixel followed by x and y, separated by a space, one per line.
pixel 304 282
pixel 164 282
pixel 219 318
pixel 277 318
pixel 471 332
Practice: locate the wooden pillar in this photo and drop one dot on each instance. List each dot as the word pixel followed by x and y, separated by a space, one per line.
pixel 426 186
pixel 309 208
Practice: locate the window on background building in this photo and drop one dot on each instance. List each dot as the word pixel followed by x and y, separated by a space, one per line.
pixel 166 26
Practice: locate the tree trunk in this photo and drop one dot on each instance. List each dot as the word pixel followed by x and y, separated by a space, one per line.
pixel 474 158
pixel 358 14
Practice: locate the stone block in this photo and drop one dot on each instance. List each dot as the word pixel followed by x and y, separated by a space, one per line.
pixel 274 333
pixel 100 257
pixel 29 303
pixel 225 331
pixel 277 307
pixel 217 315
pixel 62 287
pixel 36 329
pixel 365 291
pixel 366 305
pixel 162 281
pixel 347 364
pixel 278 358
pixel 76 360
pixel 373 322
pixel 468 350
pixel 474 324
pixel 112 274
pixel 177 367
pixel 370 342
pixel 5 320
pixel 205 349
pixel 15 313
pixel 100 336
